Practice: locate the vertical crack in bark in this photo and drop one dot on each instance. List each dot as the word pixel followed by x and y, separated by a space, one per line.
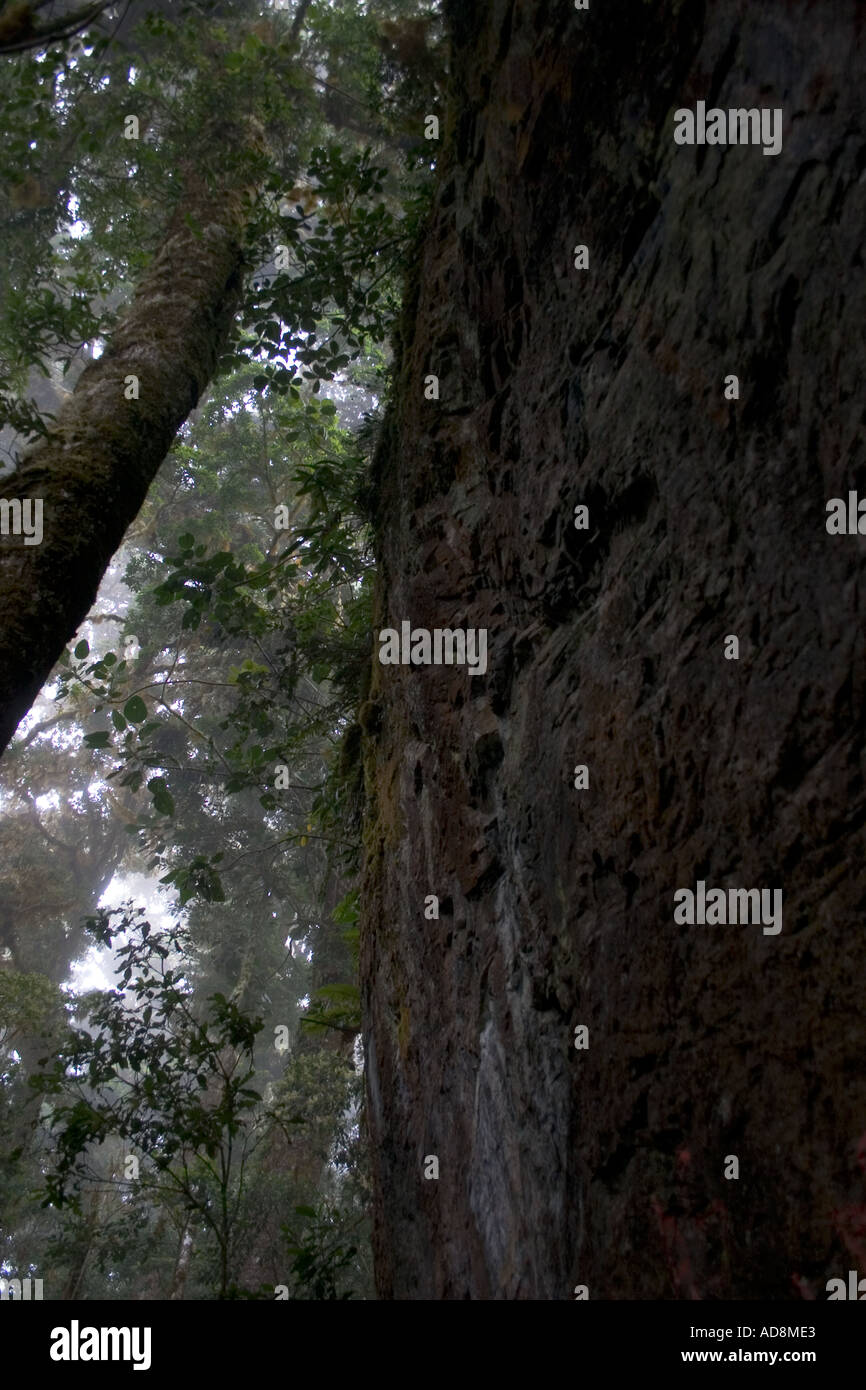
pixel 604 387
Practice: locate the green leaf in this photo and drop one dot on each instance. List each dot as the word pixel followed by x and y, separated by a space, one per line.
pixel 82 649
pixel 100 740
pixel 135 710
pixel 162 799
pixel 347 910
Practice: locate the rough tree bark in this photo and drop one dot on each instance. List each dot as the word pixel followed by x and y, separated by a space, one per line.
pixel 605 387
pixel 93 470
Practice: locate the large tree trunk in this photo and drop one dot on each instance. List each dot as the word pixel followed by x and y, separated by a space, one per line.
pixel 93 471
pixel 605 387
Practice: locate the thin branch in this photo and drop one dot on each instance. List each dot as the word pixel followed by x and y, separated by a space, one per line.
pixel 43 726
pixel 65 28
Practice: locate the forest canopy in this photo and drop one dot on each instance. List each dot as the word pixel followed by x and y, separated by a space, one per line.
pixel 208 211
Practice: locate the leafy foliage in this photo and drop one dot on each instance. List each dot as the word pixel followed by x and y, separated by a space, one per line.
pixel 202 743
pixel 29 1003
pixel 320 1253
pixel 155 1070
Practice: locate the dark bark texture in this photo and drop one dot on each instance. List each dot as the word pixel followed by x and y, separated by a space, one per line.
pixel 93 470
pixel 605 387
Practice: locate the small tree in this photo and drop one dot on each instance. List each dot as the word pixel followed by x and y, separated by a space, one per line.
pixel 169 1079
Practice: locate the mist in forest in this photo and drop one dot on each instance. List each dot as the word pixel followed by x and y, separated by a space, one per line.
pixel 180 1092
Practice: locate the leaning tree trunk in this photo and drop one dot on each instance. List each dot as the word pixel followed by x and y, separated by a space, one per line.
pixel 91 474
pixel 605 387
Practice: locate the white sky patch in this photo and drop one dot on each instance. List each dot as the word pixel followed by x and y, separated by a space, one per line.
pixel 89 973
pixel 96 969
pixel 145 892
pixel 76 227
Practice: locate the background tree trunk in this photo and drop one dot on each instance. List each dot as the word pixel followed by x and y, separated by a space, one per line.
pixel 181 1267
pixel 605 387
